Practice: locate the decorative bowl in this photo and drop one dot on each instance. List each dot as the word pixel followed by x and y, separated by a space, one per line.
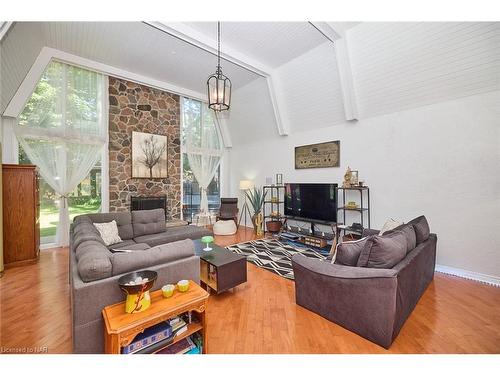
pixel 127 282
pixel 183 285
pixel 137 290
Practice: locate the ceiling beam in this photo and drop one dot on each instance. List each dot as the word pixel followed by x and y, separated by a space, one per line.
pixel 327 31
pixel 336 35
pixel 4 27
pixel 202 41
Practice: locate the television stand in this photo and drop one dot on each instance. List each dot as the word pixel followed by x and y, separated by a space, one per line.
pixel 310 237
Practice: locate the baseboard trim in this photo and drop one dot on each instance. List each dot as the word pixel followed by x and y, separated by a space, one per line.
pixel 482 278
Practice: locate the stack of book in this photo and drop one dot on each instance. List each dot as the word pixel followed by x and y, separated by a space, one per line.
pixel 158 339
pixel 184 346
pixel 150 338
pixel 178 325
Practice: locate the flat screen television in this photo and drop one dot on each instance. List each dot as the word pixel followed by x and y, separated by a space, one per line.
pixel 316 202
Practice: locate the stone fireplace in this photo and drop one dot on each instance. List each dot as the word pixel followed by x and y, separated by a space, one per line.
pixel 134 107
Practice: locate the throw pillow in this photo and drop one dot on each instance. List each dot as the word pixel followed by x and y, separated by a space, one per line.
pixel 421 227
pixel 409 232
pixel 383 252
pixel 347 253
pixel 108 232
pixel 389 224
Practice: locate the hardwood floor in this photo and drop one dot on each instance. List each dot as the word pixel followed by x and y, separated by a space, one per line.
pixel 453 316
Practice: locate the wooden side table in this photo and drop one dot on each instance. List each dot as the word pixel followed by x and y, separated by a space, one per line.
pixel 121 328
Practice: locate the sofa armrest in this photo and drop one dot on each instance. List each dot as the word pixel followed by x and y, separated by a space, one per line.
pixel 326 268
pixel 362 300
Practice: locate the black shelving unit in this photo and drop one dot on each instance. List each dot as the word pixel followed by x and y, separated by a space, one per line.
pixel 364 203
pixel 277 192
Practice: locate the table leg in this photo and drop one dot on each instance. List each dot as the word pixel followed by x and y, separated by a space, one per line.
pixel 204 337
pixel 111 345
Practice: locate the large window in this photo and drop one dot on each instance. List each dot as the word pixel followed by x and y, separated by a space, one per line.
pixel 62 130
pixel 201 158
pixel 84 199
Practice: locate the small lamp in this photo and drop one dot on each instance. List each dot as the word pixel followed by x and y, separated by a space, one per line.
pixel 246 184
pixel 207 240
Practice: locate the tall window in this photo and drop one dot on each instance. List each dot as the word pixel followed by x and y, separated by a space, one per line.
pixel 62 130
pixel 84 199
pixel 201 158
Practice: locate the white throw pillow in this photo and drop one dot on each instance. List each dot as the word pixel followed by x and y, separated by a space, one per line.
pixel 390 224
pixel 108 232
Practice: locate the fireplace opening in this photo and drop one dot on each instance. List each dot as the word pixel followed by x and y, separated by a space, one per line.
pixel 148 203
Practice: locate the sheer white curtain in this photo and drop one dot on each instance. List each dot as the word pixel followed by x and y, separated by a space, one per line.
pixel 202 144
pixel 62 129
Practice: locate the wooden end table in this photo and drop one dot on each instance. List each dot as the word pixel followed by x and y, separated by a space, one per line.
pixel 121 328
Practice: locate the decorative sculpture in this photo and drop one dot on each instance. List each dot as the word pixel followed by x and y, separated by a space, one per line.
pixel 347 178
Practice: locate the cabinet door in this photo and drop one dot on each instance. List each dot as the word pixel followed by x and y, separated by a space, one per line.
pixel 18 211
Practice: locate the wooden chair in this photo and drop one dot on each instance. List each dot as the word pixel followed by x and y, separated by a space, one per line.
pixel 228 209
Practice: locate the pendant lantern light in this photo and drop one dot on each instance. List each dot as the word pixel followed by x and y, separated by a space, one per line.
pixel 219 86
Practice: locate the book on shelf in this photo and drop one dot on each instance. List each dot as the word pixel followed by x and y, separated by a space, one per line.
pixel 195 350
pixel 180 347
pixel 150 336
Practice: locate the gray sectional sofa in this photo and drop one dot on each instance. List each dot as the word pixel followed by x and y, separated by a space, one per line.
pixel 95 267
pixel 368 297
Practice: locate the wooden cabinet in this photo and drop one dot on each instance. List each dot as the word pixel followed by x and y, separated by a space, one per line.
pixel 21 214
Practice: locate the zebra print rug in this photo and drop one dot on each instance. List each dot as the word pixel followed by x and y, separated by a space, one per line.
pixel 273 255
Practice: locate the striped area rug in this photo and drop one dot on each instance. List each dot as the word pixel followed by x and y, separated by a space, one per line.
pixel 273 255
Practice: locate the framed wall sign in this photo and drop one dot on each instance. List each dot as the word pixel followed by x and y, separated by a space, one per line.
pixel 319 155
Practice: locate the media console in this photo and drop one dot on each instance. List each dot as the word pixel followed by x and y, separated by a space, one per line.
pixel 310 237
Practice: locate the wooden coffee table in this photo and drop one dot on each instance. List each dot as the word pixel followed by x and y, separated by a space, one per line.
pixel 220 269
pixel 121 328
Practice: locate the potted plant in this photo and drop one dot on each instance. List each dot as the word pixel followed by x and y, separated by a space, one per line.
pixel 274 225
pixel 256 199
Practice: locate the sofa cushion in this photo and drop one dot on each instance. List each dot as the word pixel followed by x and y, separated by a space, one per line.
pixel 90 246
pixel 148 222
pixel 123 221
pixel 383 251
pixel 82 219
pixel 82 236
pixel 421 227
pixel 84 226
pixel 93 261
pixel 409 232
pixel 122 244
pixel 174 234
pixel 109 232
pixel 347 253
pixel 128 262
pixel 390 224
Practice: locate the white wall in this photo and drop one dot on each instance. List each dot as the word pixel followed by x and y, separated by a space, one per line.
pixel 441 160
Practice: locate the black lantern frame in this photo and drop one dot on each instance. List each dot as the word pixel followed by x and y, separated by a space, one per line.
pixel 218 85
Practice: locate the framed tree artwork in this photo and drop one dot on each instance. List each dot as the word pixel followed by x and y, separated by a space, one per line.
pixel 149 155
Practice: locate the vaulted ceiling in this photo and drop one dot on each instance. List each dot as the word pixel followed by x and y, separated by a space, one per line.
pixel 393 66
